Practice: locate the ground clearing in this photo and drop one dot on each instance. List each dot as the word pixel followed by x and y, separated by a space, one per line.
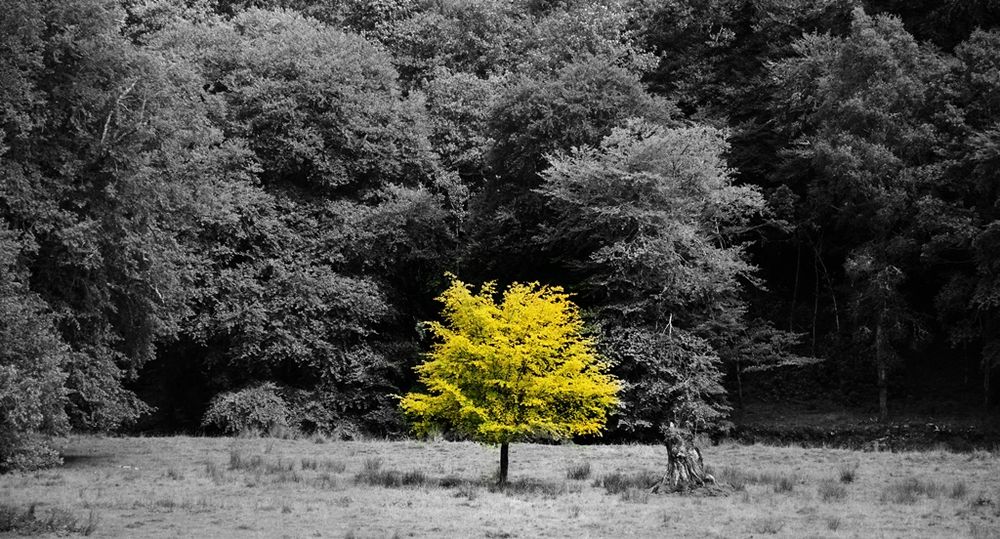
pixel 219 487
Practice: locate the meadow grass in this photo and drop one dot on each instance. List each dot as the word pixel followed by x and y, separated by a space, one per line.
pixel 296 487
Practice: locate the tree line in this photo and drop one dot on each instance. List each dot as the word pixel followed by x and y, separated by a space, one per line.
pixel 200 198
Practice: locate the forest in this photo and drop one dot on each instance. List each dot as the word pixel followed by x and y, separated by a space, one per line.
pixel 219 214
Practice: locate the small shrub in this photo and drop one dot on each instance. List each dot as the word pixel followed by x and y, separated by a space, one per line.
pixel 414 478
pixel 380 478
pixel 831 491
pixel 833 523
pixel 530 487
pixel 374 475
pixel 283 432
pixel 167 504
pixel 767 525
pixel 734 477
pixel 848 472
pixel 784 483
pixel 279 467
pixel 468 491
pixel 213 471
pixel 450 481
pixel 372 464
pixel 200 505
pixel 981 500
pixel 56 521
pixel 90 525
pixel 617 482
pixel 578 471
pixel 635 495
pixel 288 476
pixel 334 466
pixel 239 461
pixel 25 454
pixel 325 480
pixel 739 479
pixel 978 530
pixel 909 490
pixel 258 408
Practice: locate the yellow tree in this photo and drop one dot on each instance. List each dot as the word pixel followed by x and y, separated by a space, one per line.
pixel 503 372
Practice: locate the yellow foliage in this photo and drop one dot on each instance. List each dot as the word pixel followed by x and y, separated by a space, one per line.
pixel 520 368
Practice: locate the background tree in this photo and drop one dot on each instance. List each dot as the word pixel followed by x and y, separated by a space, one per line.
pixel 861 106
pixel 105 173
pixel 305 287
pixel 648 223
pixel 520 368
pixel 32 363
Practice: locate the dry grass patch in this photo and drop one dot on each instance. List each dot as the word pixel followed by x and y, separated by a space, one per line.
pixel 978 530
pixel 531 487
pixel 53 520
pixel 196 487
pixel 831 491
pixel 374 475
pixel 767 525
pixel 959 491
pixel 848 472
pixel 635 495
pixel 578 472
pixel 618 482
pixel 909 490
pixel 739 479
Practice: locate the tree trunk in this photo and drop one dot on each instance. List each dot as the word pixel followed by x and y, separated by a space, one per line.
pixel 883 375
pixel 502 479
pixel 986 384
pixel 795 290
pixel 739 383
pixel 815 300
pixel 685 467
pixel 833 295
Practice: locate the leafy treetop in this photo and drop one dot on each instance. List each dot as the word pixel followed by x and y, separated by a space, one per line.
pixel 500 372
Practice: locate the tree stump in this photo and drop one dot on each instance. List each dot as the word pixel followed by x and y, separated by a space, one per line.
pixel 685 466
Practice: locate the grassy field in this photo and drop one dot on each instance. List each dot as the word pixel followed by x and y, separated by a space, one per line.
pixel 219 487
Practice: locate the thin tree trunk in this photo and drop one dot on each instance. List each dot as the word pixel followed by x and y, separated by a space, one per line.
pixel 833 295
pixel 739 382
pixel 986 383
pixel 882 368
pixel 795 290
pixel 815 300
pixel 503 463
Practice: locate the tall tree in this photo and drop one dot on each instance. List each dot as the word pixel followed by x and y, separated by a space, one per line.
pixel 32 362
pixel 305 287
pixel 649 223
pixel 105 150
pixel 861 109
pixel 502 372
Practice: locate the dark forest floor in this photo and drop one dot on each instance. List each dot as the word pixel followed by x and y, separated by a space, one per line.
pixel 911 425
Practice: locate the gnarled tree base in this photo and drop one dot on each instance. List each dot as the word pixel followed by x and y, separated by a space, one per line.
pixel 685 466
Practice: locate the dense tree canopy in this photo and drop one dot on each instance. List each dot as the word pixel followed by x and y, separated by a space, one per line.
pixel 509 370
pixel 204 198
